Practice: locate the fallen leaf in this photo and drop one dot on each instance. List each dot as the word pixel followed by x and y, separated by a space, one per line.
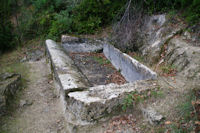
pixel 197 122
pixel 168 122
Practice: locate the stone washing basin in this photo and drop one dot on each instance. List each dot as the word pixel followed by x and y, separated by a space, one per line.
pixel 85 105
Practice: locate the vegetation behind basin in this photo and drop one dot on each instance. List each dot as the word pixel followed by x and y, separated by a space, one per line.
pixel 51 18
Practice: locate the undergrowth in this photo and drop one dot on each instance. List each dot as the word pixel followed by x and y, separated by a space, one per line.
pixel 135 98
pixel 101 60
pixel 51 18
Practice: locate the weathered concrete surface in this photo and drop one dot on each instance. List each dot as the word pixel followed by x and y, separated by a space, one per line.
pixel 66 73
pixel 130 68
pixel 69 39
pixel 9 84
pixel 95 104
pixel 80 45
pixel 84 106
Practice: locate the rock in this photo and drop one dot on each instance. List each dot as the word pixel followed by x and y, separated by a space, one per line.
pixel 187 35
pixel 22 103
pixel 25 103
pixel 33 56
pixel 9 85
pixel 69 39
pixel 152 116
pixel 185 58
pixel 24 59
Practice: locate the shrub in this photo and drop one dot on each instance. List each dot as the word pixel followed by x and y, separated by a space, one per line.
pixel 90 15
pixel 61 24
pixel 6 29
pixel 6 37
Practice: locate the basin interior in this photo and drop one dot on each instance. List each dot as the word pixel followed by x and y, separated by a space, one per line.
pixel 97 68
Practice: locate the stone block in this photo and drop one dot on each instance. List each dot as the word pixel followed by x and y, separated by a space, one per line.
pixel 9 85
pixel 88 107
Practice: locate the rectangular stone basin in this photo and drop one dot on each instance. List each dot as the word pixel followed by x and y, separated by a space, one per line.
pixel 86 105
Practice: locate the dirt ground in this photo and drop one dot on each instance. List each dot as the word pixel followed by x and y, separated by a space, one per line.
pixel 39 109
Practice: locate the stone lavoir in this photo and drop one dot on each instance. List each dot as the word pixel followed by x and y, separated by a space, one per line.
pixel 84 104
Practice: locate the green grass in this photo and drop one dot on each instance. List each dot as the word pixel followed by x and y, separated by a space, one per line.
pixel 139 58
pixel 167 68
pixel 186 107
pixel 101 60
pixel 19 68
pixel 157 93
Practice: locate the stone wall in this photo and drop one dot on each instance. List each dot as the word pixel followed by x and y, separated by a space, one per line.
pixel 131 69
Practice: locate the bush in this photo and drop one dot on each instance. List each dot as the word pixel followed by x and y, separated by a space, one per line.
pixel 192 13
pixel 51 18
pixel 6 29
pixel 90 15
pixel 190 8
pixel 61 24
pixel 6 37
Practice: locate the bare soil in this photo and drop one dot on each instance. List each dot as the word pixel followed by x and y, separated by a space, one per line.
pixel 38 110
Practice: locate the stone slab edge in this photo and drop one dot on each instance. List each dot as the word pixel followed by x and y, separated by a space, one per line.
pixel 98 103
pixel 131 69
pixel 66 73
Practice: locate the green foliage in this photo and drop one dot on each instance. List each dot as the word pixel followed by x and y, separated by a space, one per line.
pixel 128 101
pixel 190 8
pixel 158 93
pixel 192 13
pixel 138 57
pixel 101 60
pixel 27 25
pixel 135 97
pixel 185 110
pixel 186 107
pixel 50 5
pixel 61 24
pixel 6 34
pixel 51 18
pixel 90 15
pixel 168 68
